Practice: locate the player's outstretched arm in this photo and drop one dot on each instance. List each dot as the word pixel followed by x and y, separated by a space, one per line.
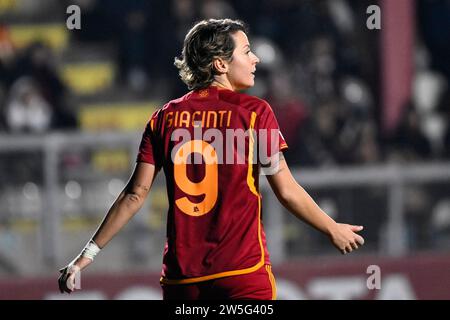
pixel 294 198
pixel 124 208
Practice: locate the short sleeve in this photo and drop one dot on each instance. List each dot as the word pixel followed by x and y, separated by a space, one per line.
pixel 149 148
pixel 270 138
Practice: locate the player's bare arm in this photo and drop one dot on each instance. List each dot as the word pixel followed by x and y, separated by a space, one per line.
pixel 124 208
pixel 127 204
pixel 294 198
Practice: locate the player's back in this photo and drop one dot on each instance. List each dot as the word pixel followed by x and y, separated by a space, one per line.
pixel 205 144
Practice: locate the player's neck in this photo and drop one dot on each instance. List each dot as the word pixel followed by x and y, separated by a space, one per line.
pixel 222 83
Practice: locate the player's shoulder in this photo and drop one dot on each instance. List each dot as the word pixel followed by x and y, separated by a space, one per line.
pixel 251 103
pixel 176 101
pixel 168 106
pixel 256 104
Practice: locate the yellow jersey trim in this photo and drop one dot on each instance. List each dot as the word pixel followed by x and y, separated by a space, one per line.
pixel 250 178
pixel 272 281
pixel 152 124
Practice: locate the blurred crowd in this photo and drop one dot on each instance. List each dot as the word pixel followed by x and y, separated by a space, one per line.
pixel 320 71
pixel 32 95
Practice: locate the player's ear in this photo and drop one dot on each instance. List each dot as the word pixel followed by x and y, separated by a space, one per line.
pixel 220 65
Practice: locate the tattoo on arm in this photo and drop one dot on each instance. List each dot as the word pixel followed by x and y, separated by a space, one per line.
pixel 143 187
pixel 136 189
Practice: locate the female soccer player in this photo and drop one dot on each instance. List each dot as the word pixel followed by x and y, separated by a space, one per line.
pixel 212 144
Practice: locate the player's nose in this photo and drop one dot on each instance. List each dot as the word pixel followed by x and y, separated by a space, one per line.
pixel 255 59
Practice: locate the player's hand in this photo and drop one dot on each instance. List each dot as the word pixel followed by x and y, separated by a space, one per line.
pixel 66 281
pixel 345 239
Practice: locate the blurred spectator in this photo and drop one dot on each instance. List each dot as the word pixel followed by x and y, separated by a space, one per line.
pixel 368 150
pixel 39 63
pixel 409 143
pixel 35 98
pixel 319 136
pixel 322 64
pixel 26 109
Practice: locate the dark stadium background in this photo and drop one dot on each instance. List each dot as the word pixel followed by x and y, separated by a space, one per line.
pixel 365 113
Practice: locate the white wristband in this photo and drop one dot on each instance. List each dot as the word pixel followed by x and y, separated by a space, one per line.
pixel 90 250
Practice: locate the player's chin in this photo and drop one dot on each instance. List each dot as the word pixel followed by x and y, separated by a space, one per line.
pixel 247 85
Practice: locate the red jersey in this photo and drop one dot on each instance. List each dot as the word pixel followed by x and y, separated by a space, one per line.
pixel 214 223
